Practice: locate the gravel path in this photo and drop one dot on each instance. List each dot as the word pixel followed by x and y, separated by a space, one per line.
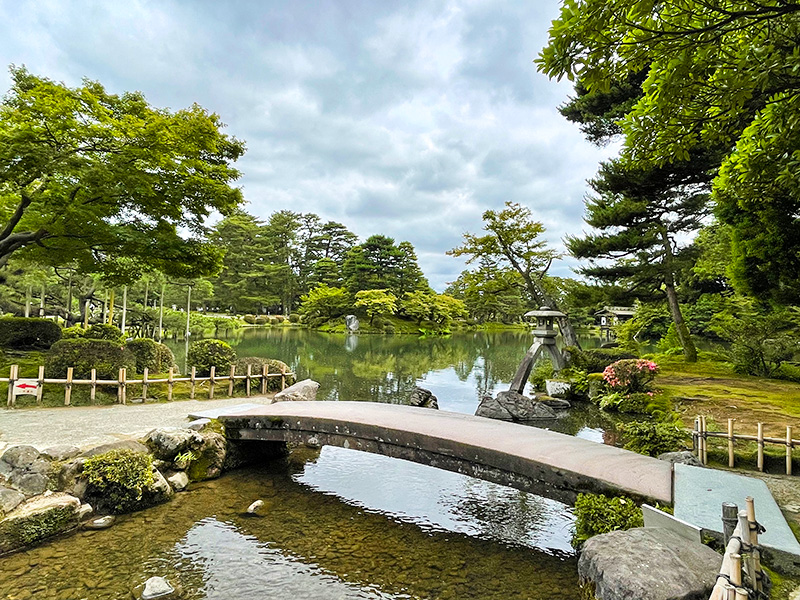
pixel 92 425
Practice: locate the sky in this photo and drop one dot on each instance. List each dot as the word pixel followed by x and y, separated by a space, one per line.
pixel 407 119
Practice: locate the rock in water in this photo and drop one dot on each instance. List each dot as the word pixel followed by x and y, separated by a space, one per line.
pixel 210 458
pixel 167 442
pixel 178 480
pixel 305 390
pixel 424 398
pixel 512 406
pixel 9 499
pixel 100 522
pixel 37 519
pixel 648 564
pixel 256 508
pixel 157 588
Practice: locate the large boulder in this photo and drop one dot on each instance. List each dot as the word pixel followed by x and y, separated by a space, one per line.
pixel 648 564
pixel 38 519
pixel 424 398
pixel 20 457
pixel 167 442
pixel 512 406
pixel 24 469
pixel 301 391
pixel 209 459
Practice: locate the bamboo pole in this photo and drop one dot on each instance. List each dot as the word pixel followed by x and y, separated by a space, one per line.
pixel 741 594
pixel 93 390
pixel 247 382
pixel 121 391
pixel 283 378
pixel 40 386
pixel 12 380
pixel 211 383
pixel 731 438
pixel 756 553
pixel 144 384
pixel 192 379
pixel 744 534
pixel 703 441
pixel 788 449
pixel 232 380
pixel 68 387
pixel 170 383
pixel 264 376
pixel 736 569
pixel 760 446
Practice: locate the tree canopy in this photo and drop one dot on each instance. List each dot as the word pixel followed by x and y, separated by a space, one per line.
pixel 90 177
pixel 720 74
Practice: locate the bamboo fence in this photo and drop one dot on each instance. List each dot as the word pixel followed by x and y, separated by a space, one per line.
pixel 122 382
pixel 740 576
pixel 700 435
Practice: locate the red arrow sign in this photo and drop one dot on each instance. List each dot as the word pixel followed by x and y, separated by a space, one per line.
pixel 27 386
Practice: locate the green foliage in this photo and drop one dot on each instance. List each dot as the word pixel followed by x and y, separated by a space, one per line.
pixel 541 371
pixel 129 177
pixel 653 438
pixel 102 331
pixel 70 333
pixel 261 320
pixel 670 343
pixel 84 355
pixel 165 358
pixel 146 352
pixel 257 366
pixel 630 375
pixel 294 318
pixel 273 320
pixel 376 302
pixel 323 303
pixel 638 402
pixel 580 382
pixel 596 360
pixel 250 319
pixel 21 333
pixel 120 477
pixel 596 514
pixel 204 354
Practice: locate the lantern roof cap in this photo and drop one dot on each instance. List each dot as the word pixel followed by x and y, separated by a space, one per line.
pixel 544 311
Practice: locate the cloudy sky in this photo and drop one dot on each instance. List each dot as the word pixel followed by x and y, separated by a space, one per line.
pixel 403 118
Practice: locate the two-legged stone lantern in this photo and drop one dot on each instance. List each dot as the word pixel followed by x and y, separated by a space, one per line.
pixel 544 341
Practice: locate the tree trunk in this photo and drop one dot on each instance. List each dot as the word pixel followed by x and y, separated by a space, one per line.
pixel 689 351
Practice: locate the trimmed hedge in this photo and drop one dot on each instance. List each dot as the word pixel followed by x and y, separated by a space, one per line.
pixel 146 352
pixel 260 320
pixel 166 359
pixel 84 355
pixel 101 331
pixel 28 333
pixel 257 366
pixel 203 354
pixel 596 359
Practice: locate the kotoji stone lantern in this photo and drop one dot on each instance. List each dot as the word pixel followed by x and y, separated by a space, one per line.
pixel 544 341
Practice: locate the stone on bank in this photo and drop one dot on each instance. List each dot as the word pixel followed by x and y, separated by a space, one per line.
pixel 38 519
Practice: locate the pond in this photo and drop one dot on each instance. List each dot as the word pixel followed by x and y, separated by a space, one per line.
pixel 340 524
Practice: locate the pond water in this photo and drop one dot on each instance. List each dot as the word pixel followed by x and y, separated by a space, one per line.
pixel 340 524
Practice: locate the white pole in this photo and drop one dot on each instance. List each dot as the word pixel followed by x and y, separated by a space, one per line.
pixel 161 316
pixel 188 311
pixel 124 306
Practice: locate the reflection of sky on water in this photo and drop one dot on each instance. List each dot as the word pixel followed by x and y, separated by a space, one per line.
pixel 440 500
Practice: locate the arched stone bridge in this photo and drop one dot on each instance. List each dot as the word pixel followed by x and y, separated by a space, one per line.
pixel 528 458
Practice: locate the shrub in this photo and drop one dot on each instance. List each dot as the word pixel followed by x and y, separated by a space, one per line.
pixel 204 354
pixel 102 331
pixel 261 320
pixel 120 477
pixel 166 359
pixel 596 514
pixel 257 366
pixel 84 355
pixel 294 318
pixel 280 318
pixel 652 439
pixel 630 375
pixel 250 319
pixel 273 320
pixel 542 371
pixel 596 359
pixel 146 352
pixel 26 333
pixel 626 403
pixel 70 333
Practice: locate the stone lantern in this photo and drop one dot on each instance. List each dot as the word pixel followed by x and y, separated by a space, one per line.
pixel 544 341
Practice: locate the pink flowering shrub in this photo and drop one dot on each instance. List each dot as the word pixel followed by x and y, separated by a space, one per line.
pixel 631 375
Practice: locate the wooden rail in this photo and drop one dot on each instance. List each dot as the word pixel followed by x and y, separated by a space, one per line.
pixel 740 572
pixel 122 382
pixel 700 435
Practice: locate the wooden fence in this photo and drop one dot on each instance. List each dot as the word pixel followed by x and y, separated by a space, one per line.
pixel 122 382
pixel 740 574
pixel 700 435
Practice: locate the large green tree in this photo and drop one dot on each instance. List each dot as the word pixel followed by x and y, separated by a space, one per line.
pixel 87 177
pixel 720 74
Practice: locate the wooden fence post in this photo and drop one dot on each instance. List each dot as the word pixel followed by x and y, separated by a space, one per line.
pixel 231 380
pixel 731 458
pixel 247 381
pixel 68 387
pixel 122 397
pixel 755 553
pixel 170 383
pixel 744 533
pixel 40 388
pixel 93 390
pixel 264 376
pixel 191 378
pixel 760 446
pixel 144 384
pixel 788 449
pixel 283 378
pixel 211 383
pixel 12 380
pixel 703 441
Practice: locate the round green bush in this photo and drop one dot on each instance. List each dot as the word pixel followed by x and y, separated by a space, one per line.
pixel 146 352
pixel 118 479
pixel 204 354
pixel 652 438
pixel 166 359
pixel 250 319
pixel 257 367
pixel 273 320
pixel 261 320
pixel 70 333
pixel 294 318
pixel 28 333
pixel 594 360
pixel 280 318
pixel 102 331
pixel 84 355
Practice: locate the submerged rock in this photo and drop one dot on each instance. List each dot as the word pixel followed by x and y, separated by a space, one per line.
pixel 209 459
pixel 305 390
pixel 424 398
pixel 256 508
pixel 648 564
pixel 100 522
pixel 178 480
pixel 512 406
pixel 167 442
pixel 37 519
pixel 155 588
